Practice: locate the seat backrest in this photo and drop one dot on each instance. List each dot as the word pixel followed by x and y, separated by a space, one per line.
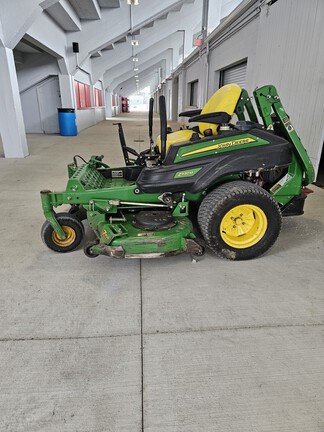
pixel 223 100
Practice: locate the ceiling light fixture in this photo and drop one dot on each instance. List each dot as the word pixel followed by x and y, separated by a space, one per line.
pixel 135 69
pixel 134 42
pixel 135 59
pixel 133 2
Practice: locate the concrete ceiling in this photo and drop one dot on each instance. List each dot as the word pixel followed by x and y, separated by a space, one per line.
pixel 105 29
pixel 24 47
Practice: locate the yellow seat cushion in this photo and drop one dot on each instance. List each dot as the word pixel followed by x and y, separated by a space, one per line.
pixel 223 100
pixel 175 138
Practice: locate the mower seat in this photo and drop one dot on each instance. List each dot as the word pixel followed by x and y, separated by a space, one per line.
pixel 223 100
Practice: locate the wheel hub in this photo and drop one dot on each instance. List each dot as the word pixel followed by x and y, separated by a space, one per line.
pixel 243 226
pixel 70 237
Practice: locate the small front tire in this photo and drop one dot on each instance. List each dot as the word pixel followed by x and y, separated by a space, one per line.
pixel 73 229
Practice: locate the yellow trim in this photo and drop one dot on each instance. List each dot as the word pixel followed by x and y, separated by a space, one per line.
pixel 220 146
pixel 243 226
pixel 70 237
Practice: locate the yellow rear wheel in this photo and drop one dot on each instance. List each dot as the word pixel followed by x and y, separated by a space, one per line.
pixel 243 226
pixel 239 220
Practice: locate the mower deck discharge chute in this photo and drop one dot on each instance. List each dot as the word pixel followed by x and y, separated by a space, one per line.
pixel 243 178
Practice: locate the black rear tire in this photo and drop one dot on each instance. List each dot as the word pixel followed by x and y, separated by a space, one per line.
pixel 239 220
pixel 73 229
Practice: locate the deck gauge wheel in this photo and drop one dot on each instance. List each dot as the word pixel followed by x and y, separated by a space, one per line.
pixel 73 229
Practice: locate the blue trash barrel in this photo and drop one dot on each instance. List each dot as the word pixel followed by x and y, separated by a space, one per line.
pixel 67 121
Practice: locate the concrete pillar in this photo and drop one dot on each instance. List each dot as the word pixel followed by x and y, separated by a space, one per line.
pixel 67 91
pixel 108 95
pixel 12 128
pixel 175 96
pixel 203 81
pixel 182 93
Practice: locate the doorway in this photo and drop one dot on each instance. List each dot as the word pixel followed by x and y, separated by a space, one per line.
pixel 39 105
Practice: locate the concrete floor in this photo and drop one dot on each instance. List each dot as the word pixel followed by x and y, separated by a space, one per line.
pixel 224 346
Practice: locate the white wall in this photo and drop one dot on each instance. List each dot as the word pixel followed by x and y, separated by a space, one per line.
pixel 294 62
pixel 29 104
pixel 31 74
pixel 240 46
pixel 89 117
pixel 282 45
pixel 40 104
pixel 100 114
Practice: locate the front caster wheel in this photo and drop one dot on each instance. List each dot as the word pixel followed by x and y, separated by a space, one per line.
pixel 87 249
pixel 73 229
pixel 239 220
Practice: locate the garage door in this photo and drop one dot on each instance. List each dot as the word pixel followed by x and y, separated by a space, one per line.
pixel 234 75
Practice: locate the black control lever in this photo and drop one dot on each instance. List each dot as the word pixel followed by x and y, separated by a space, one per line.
pixel 151 126
pixel 123 142
pixel 124 147
pixel 132 151
pixel 163 126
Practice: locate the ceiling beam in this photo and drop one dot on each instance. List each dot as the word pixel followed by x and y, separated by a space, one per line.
pixel 65 16
pixel 152 42
pixel 109 3
pixel 115 23
pixel 86 9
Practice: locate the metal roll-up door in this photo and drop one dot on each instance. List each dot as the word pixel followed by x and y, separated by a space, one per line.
pixel 234 75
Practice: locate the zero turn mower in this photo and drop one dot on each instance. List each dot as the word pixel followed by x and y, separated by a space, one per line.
pixel 244 177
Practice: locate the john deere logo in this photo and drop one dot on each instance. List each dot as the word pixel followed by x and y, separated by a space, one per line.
pixel 220 146
pixel 187 173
